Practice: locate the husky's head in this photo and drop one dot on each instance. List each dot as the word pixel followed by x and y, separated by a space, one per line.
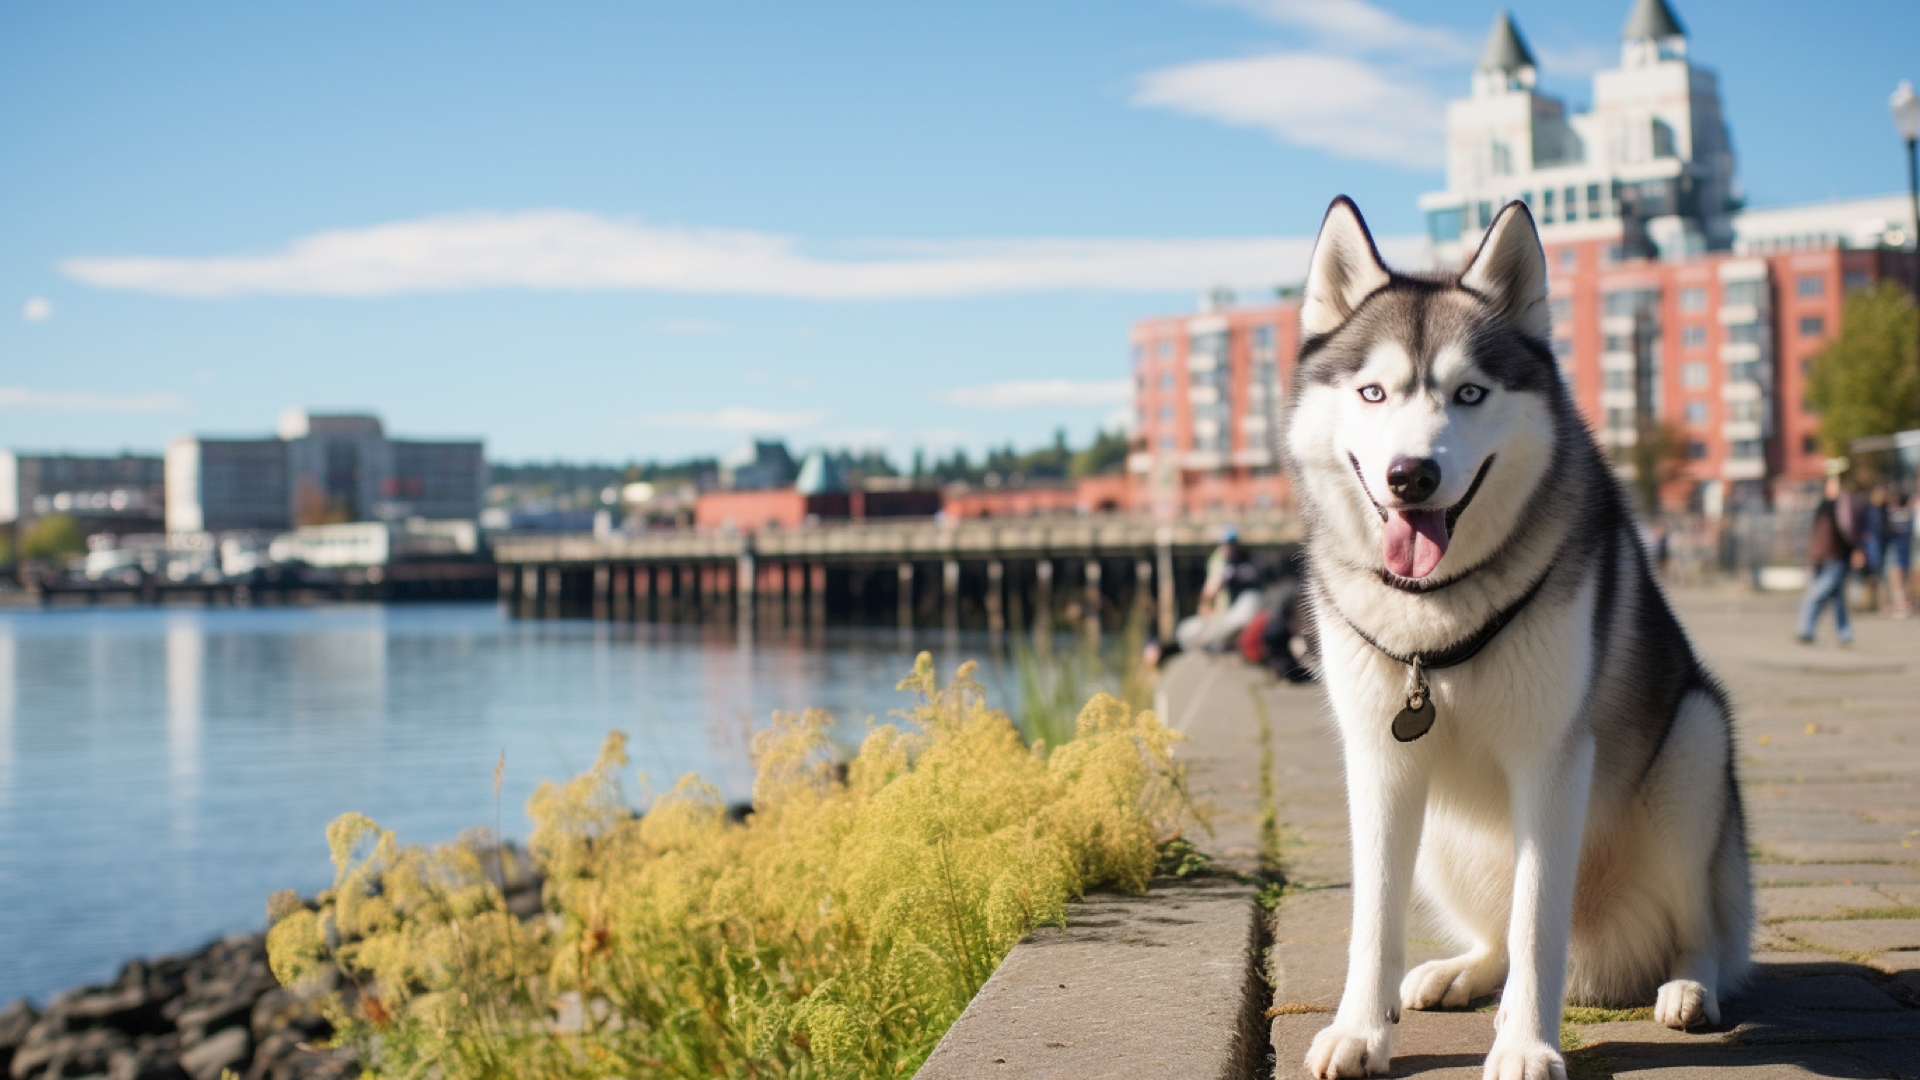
pixel 1425 409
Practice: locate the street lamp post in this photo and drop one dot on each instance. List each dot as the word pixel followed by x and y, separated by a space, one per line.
pixel 1905 105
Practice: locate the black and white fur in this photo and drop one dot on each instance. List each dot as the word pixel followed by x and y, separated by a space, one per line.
pixel 1573 817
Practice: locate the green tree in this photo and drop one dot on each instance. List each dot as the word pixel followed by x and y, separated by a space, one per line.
pixel 1659 453
pixel 1867 382
pixel 1106 454
pixel 52 537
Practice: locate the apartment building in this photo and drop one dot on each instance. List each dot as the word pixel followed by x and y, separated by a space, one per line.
pixel 1677 311
pixel 320 469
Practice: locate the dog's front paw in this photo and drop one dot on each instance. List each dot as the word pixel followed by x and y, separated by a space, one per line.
pixel 1524 1058
pixel 1684 1004
pixel 1343 1050
pixel 1449 984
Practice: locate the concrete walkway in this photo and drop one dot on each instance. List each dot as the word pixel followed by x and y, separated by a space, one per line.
pixel 1830 761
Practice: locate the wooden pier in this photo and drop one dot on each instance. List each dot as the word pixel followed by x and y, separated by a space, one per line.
pixel 1084 572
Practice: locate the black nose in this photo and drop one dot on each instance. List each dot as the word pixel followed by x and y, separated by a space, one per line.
pixel 1413 479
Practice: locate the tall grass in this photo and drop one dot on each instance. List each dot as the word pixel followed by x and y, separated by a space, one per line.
pixel 836 932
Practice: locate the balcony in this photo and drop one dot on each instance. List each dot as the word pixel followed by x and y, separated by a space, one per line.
pixel 1739 352
pixel 1203 395
pixel 1739 315
pixel 1735 430
pixel 1618 399
pixel 1744 469
pixel 1742 390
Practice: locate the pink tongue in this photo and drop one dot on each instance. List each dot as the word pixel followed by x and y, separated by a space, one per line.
pixel 1413 541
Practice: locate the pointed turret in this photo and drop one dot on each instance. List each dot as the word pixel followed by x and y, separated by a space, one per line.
pixel 1652 20
pixel 1506 51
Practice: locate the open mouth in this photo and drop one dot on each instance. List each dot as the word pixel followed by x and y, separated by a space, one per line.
pixel 1414 540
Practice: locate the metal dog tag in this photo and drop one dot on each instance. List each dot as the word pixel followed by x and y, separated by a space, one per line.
pixel 1417 718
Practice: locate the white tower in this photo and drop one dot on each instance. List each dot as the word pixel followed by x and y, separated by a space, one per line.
pixel 1650 165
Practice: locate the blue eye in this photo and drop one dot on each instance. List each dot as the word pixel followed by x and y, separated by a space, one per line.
pixel 1470 394
pixel 1373 393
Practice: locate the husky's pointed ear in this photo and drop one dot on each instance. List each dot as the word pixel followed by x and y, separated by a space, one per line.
pixel 1510 271
pixel 1345 269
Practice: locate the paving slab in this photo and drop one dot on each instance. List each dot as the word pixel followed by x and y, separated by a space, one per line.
pixel 1863 936
pixel 1818 900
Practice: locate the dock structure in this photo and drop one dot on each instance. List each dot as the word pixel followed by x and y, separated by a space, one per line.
pixel 1080 572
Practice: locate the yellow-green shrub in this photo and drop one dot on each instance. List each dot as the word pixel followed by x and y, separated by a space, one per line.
pixel 838 931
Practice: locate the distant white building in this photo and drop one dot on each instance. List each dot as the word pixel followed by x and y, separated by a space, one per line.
pixel 1651 163
pixel 321 468
pixel 121 493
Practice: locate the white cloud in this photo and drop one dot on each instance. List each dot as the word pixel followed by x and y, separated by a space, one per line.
pixel 738 419
pixel 1362 27
pixel 570 250
pixel 83 401
pixel 1361 85
pixel 1031 393
pixel 1339 104
pixel 1121 419
pixel 38 309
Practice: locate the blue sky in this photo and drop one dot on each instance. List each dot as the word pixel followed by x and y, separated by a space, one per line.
pixel 613 231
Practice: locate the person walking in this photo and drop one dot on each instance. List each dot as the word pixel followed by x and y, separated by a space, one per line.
pixel 1898 551
pixel 1829 552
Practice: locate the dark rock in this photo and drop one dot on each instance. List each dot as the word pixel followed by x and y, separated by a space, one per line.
pixel 129 1009
pixel 16 1020
pixel 284 1010
pixel 230 1049
pixel 234 1010
pixel 84 1054
pixel 147 1062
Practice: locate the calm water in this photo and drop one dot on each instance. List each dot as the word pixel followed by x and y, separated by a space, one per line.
pixel 162 771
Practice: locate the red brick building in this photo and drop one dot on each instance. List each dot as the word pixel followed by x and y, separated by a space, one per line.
pixel 1675 308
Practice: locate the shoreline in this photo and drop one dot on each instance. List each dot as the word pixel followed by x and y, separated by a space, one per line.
pixel 190 1016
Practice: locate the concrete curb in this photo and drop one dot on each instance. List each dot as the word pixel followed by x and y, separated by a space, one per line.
pixel 1160 985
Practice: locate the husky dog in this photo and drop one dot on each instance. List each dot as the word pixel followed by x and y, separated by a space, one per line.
pixel 1526 729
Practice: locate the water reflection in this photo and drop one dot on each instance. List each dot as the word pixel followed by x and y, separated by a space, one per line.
pixel 162 771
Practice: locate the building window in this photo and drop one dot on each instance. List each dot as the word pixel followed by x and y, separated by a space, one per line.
pixel 1567 212
pixel 1812 285
pixel 1546 207
pixel 1693 375
pixel 1594 206
pixel 1617 380
pixel 1444 225
pixel 1263 339
pixel 1696 412
pixel 1856 279
pixel 1742 294
pixel 1166 442
pixel 1485 213
pixel 1744 371
pixel 1139 355
pixel 1812 326
pixel 1809 444
pixel 1166 348
pixel 1166 414
pixel 1693 337
pixel 1569 258
pixel 1563 347
pixel 1743 334
pixel 1166 380
pixel 1697 451
pixel 1693 299
pixel 1561 311
pixel 1744 449
pixel 1616 253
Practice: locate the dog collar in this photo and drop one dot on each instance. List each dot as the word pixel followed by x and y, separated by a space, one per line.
pixel 1416 719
